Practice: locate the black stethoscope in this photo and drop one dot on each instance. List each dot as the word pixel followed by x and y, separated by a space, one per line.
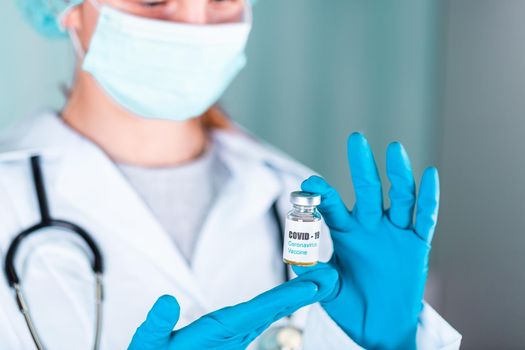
pixel 46 221
pixel 277 338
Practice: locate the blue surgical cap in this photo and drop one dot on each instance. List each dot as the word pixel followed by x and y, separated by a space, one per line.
pixel 44 15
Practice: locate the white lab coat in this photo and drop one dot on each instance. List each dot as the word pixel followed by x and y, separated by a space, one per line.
pixel 237 255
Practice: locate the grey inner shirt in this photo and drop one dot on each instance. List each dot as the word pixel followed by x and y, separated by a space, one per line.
pixel 180 197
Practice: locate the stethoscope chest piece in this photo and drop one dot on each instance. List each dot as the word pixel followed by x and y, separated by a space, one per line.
pixel 281 338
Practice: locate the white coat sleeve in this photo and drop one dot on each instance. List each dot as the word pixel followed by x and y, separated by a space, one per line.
pixel 321 332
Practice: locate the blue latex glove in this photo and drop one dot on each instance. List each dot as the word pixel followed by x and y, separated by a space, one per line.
pixel 381 256
pixel 232 327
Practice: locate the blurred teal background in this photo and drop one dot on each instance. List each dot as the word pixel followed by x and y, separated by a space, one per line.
pixel 446 78
pixel 31 67
pixel 318 72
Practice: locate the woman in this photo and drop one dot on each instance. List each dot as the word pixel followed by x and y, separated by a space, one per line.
pixel 182 202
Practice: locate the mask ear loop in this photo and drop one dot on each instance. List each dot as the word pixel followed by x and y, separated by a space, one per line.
pixel 75 41
pixel 77 45
pixel 65 87
pixel 73 36
pixel 80 53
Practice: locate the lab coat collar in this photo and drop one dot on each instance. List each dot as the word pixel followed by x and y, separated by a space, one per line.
pixel 242 144
pixel 85 178
pixel 88 180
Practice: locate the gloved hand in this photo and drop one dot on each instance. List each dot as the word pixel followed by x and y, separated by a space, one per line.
pixel 236 326
pixel 381 256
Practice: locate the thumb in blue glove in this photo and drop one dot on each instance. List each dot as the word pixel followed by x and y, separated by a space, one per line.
pixel 233 327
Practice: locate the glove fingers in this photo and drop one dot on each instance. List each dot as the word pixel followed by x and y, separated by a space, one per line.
pixel 155 332
pixel 276 303
pixel 367 183
pixel 402 191
pixel 428 204
pixel 332 207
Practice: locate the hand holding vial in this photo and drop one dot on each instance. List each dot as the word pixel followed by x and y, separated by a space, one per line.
pixel 381 254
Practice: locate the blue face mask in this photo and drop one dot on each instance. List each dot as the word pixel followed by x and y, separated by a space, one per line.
pixel 165 70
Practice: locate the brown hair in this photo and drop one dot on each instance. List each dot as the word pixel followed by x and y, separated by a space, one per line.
pixel 216 118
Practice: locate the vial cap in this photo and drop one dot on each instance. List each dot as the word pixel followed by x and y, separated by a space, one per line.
pixel 305 198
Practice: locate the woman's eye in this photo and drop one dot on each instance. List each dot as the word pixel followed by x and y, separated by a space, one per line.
pixel 152 3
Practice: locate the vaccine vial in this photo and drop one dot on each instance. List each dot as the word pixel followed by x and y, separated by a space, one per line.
pixel 302 230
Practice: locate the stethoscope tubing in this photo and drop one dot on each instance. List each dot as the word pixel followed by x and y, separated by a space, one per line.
pixel 46 221
pixel 10 270
pixel 97 262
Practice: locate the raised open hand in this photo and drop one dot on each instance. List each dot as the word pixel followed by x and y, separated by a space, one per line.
pixel 381 255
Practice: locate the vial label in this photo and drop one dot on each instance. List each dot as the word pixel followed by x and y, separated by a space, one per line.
pixel 301 241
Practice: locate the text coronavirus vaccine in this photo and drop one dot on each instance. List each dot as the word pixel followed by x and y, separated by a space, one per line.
pixel 302 230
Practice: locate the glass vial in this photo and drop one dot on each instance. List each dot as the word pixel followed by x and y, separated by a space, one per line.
pixel 302 230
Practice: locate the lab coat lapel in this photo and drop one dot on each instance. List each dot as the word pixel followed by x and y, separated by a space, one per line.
pixel 89 181
pixel 247 197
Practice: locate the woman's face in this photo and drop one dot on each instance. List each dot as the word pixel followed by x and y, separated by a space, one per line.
pixel 83 19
